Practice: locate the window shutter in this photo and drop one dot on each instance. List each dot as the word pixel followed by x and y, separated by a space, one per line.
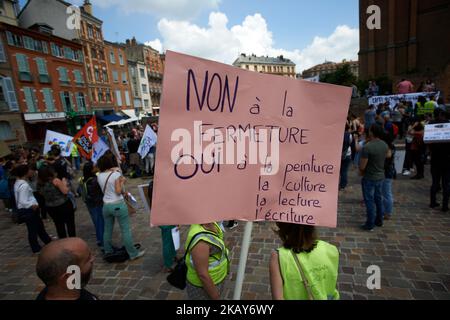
pixel 48 98
pixel 10 94
pixel 2 52
pixel 63 101
pixel 22 63
pixel 30 99
pixel 10 38
pixel 42 66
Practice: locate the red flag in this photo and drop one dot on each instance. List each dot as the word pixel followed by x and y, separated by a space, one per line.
pixel 85 139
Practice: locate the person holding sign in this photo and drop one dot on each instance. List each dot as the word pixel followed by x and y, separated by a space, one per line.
pixel 304 268
pixel 207 262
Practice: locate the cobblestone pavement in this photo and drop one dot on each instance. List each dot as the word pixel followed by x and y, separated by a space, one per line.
pixel 412 250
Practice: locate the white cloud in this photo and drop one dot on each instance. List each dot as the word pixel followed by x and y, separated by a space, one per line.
pixel 178 9
pixel 223 44
pixel 155 44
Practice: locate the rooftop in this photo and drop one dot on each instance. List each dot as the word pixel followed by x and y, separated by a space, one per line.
pixel 280 60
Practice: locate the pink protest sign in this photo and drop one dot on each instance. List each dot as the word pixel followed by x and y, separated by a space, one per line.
pixel 234 144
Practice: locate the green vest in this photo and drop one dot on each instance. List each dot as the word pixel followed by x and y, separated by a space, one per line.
pixel 218 263
pixel 429 107
pixel 320 267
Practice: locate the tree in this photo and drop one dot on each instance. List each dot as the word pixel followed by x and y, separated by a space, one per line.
pixel 342 76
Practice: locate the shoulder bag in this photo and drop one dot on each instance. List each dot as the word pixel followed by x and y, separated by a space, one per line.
pixel 302 275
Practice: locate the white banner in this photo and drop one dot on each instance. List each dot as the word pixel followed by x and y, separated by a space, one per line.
pixel 64 141
pixel 394 99
pixel 148 140
pixel 114 147
pixel 98 149
pixel 437 133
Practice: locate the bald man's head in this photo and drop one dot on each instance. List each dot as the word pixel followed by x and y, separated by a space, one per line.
pixel 58 255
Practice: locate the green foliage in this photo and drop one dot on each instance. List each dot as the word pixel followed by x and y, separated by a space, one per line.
pixel 342 76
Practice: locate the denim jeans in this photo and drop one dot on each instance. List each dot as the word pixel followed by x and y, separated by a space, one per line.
pixel 388 198
pixel 343 178
pixel 373 198
pixel 119 211
pixel 35 229
pixel 99 223
pixel 440 173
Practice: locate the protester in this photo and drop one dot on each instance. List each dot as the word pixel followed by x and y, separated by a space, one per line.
pixel 345 158
pixel 430 106
pixel 168 248
pixel 295 266
pixel 418 149
pixel 76 160
pixel 389 176
pixel 440 169
pixel 420 109
pixel 207 262
pixel 112 182
pixel 397 119
pixel 93 198
pixel 441 105
pixel 369 116
pixel 429 86
pixel 53 269
pixel 372 169
pixel 27 207
pixel 405 87
pixel 135 160
pixel 55 192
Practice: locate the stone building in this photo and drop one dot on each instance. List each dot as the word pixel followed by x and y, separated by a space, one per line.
pixel 330 67
pixel 276 66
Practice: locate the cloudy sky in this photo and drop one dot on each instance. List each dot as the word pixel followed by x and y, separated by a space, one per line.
pixel 308 32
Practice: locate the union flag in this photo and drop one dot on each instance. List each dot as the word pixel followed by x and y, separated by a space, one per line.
pixel 86 138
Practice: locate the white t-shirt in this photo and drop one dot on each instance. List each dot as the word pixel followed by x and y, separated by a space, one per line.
pixel 24 195
pixel 110 195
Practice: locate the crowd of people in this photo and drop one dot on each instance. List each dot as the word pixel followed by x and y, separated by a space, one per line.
pixel 37 186
pixel 373 142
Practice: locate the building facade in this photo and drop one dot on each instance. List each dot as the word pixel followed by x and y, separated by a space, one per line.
pixel 154 65
pixel 140 88
pixel 276 66
pixel 412 42
pixel 48 75
pixel 11 123
pixel 330 67
pixel 119 76
pixel 89 33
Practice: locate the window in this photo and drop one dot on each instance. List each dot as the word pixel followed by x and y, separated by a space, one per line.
pixel 7 89
pixel 24 67
pixel 69 54
pixel 63 76
pixel 42 69
pixel 81 102
pixel 30 99
pixel 79 56
pixel 255 68
pixel 90 31
pixel 105 76
pixel 2 52
pixel 66 102
pixel 112 57
pixel 101 55
pixel 48 99
pixel 97 75
pixel 142 71
pixel 14 40
pixel 78 77
pixel 144 88
pixel 44 47
pixel 124 78
pixel 115 76
pixel 108 95
pixel 127 98
pixel 100 95
pixel 5 131
pixel 121 59
pixel 146 103
pixel 247 67
pixel 118 98
pixel 94 53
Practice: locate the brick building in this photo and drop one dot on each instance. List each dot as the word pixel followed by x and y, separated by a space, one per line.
pixel 154 63
pixel 119 76
pixel 48 75
pixel 413 42
pixel 89 34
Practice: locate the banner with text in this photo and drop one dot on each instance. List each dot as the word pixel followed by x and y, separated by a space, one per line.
pixel 64 141
pixel 242 145
pixel 395 99
pixel 86 137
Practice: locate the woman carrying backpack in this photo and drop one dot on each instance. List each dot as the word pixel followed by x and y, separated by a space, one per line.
pixel 92 196
pixel 304 268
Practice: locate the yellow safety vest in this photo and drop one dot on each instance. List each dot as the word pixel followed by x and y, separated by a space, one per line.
pixel 218 264
pixel 320 267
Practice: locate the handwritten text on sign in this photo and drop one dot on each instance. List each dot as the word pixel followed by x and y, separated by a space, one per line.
pixel 240 145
